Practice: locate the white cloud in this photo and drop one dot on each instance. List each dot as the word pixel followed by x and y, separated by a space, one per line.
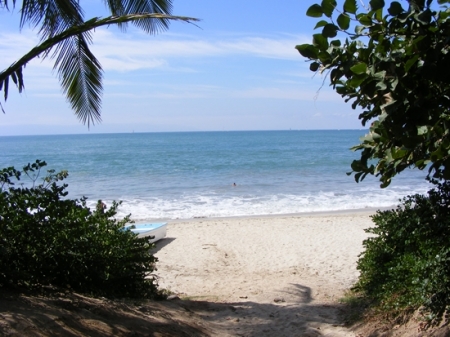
pixel 14 45
pixel 134 50
pixel 173 92
pixel 262 47
pixel 131 52
pixel 126 64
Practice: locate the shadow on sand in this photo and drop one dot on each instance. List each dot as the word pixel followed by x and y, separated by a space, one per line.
pixel 299 318
pixel 161 244
pixel 77 315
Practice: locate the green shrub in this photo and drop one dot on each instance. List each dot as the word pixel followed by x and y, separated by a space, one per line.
pixel 47 239
pixel 407 263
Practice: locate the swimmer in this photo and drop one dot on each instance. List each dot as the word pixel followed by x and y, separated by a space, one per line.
pixel 101 206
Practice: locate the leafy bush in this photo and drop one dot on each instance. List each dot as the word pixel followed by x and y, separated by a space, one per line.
pixel 407 263
pixel 391 60
pixel 46 239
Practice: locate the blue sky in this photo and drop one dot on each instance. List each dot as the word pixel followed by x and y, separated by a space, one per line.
pixel 238 70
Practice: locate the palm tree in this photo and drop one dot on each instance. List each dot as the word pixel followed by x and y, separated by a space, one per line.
pixel 65 36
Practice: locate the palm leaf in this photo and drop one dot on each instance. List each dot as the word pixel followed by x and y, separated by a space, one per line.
pixel 55 16
pixel 5 4
pixel 80 76
pixel 149 25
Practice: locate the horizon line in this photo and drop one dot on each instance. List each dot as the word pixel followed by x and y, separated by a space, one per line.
pixel 192 131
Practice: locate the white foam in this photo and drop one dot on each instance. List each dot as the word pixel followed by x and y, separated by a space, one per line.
pixel 192 205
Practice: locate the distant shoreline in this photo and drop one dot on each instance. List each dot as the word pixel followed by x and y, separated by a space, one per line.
pixel 193 131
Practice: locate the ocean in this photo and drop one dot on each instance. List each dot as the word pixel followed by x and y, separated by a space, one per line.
pixel 183 175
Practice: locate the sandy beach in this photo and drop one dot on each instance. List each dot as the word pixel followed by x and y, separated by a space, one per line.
pixel 276 275
pixel 254 277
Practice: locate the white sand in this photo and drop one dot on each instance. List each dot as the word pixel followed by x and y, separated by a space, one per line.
pixel 281 276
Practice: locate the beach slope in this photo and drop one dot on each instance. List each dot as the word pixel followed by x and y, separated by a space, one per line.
pixel 280 275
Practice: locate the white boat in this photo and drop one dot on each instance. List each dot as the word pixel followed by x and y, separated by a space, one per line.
pixel 158 230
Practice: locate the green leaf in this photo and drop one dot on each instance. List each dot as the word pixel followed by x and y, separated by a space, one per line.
pixel 395 8
pixel 330 30
pixel 359 29
pixel 394 83
pixel 314 66
pixel 5 88
pixel 381 85
pixel 321 23
pixel 340 90
pixel 380 75
pixel 385 183
pixel 358 177
pixel 308 51
pixel 350 6
pixel 335 76
pixel 411 62
pixel 343 21
pixel 356 165
pixel 356 80
pixel 403 17
pixel 315 11
pixel 425 17
pixel 20 79
pixel 359 68
pixel 400 153
pixel 437 155
pixel 421 130
pixel 376 4
pixel 379 15
pixel 328 7
pixel 420 163
pixel 365 20
pixel 324 57
pixel 320 41
pixel 336 43
pixel 14 78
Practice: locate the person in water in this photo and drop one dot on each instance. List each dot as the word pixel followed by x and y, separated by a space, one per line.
pixel 101 206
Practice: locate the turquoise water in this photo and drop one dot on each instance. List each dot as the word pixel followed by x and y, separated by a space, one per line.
pixel 191 174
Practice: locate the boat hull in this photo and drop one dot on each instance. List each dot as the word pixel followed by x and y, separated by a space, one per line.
pixel 157 230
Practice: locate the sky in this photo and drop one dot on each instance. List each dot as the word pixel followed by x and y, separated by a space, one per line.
pixel 236 69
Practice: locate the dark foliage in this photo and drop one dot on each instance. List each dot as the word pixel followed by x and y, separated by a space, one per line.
pixel 392 61
pixel 47 239
pixel 407 263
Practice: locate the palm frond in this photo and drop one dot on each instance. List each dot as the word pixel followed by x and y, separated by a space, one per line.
pixel 149 25
pixel 60 15
pixel 80 76
pixel 17 77
pixel 5 4
pixel 54 16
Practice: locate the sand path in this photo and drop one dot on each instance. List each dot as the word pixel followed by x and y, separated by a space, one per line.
pixel 268 276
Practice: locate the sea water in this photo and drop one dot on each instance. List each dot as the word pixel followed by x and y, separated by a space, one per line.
pixel 212 174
